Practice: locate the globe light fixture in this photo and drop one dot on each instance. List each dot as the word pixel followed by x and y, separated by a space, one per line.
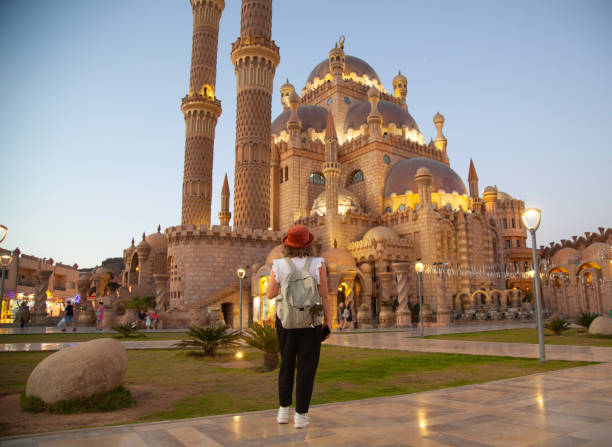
pixel 3 231
pixel 531 219
pixel 419 267
pixel 241 274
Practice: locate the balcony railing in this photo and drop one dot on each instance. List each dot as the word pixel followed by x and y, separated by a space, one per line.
pixel 23 282
pixel 59 287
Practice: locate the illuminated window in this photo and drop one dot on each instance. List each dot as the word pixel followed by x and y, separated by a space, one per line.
pixel 316 178
pixel 357 176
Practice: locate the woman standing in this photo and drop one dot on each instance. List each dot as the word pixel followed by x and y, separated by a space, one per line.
pixel 301 344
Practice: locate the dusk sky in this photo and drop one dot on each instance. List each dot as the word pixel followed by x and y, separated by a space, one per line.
pixel 92 136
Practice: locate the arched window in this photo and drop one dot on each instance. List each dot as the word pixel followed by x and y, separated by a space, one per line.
pixel 357 176
pixel 316 178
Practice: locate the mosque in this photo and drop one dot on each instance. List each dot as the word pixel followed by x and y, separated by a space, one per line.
pixel 346 158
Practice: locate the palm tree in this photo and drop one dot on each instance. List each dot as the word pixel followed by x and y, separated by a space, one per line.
pixel 586 318
pixel 264 338
pixel 210 339
pixel 557 325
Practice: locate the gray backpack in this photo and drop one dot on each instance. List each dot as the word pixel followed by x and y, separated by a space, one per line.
pixel 299 303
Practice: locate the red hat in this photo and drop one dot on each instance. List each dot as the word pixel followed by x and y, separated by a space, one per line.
pixel 298 237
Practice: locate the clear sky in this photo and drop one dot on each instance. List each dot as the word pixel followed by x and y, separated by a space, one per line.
pixel 92 137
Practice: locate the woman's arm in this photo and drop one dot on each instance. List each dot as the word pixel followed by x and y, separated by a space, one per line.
pixel 273 286
pixel 324 298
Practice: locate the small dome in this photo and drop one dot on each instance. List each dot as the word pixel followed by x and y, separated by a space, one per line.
pixel 143 244
pixel 490 190
pixel 339 257
pixel 401 177
pixel 275 253
pixel 399 77
pixel 380 233
pixel 438 118
pixel 352 65
pixel 503 196
pixel 391 113
pixel 422 171
pixel 310 116
pixel 346 201
pixel 373 92
pixel 565 256
pixel 100 272
pixel 157 240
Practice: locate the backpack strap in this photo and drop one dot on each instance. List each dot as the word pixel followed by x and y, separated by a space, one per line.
pixel 308 261
pixel 291 264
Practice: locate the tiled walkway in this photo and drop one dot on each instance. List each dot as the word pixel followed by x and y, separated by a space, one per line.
pixel 572 407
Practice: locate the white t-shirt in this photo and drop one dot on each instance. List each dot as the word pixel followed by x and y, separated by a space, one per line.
pixel 281 268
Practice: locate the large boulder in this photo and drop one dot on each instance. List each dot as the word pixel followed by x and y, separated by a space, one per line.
pixel 78 372
pixel 601 325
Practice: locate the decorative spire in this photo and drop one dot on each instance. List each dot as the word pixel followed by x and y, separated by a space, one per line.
pixel 473 181
pixel 225 215
pixel 400 88
pixel 440 141
pixel 133 243
pixel 330 128
pixel 143 235
pixel 159 228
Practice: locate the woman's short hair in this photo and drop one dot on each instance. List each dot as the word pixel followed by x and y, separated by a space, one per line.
pixel 290 252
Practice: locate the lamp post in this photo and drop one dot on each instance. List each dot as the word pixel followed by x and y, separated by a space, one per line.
pixel 5 260
pixel 419 269
pixel 241 274
pixel 531 219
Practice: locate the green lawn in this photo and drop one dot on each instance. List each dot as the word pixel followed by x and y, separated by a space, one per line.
pixel 207 387
pixel 579 337
pixel 69 337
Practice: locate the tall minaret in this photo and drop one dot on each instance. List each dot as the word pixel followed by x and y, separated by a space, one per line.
pixel 255 57
pixel 201 110
pixel 473 181
pixel 331 172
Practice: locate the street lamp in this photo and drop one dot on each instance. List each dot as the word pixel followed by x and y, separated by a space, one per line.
pixel 531 219
pixel 5 260
pixel 419 269
pixel 3 231
pixel 241 274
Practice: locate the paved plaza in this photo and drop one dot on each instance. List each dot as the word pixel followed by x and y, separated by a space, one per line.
pixel 571 407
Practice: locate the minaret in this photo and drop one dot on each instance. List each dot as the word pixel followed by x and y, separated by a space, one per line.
pixel 331 172
pixel 201 110
pixel 400 88
pixel 473 181
pixel 374 117
pixel 224 214
pixel 255 57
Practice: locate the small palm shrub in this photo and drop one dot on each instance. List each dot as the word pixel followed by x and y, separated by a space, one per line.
pixel 264 338
pixel 557 325
pixel 586 318
pixel 126 330
pixel 210 339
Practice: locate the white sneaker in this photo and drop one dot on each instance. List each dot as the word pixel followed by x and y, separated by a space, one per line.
pixel 300 420
pixel 283 415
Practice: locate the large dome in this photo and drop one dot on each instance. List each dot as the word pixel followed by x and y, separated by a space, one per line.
pixel 391 113
pixel 346 201
pixel 310 116
pixel 401 177
pixel 353 65
pixel 157 240
pixel 379 233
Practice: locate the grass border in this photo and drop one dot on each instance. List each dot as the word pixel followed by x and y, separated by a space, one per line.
pixel 112 400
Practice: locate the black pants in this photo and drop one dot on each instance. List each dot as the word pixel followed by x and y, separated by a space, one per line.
pixel 305 345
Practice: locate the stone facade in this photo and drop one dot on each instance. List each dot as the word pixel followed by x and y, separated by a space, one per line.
pixel 577 274
pixel 347 159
